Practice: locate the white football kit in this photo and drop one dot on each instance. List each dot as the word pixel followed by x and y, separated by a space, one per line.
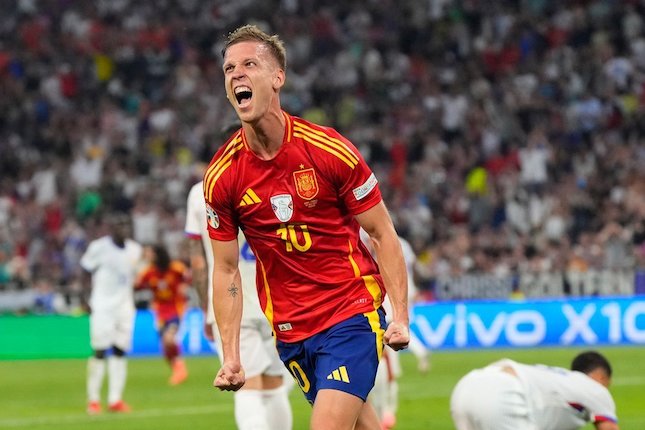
pixel 507 395
pixel 385 394
pixel 258 353
pixel 113 270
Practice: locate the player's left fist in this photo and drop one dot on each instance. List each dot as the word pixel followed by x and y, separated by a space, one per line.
pixel 397 336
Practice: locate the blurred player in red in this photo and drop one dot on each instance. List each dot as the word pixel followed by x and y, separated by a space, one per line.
pixel 168 280
pixel 299 192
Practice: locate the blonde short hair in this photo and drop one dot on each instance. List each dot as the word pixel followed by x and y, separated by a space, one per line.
pixel 249 32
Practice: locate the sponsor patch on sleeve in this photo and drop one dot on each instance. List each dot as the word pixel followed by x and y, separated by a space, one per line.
pixel 363 190
pixel 213 219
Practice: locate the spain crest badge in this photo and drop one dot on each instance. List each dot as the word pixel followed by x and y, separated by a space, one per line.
pixel 306 183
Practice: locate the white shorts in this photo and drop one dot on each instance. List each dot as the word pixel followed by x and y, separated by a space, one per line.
pixel 392 363
pixel 490 399
pixel 384 393
pixel 258 353
pixel 112 328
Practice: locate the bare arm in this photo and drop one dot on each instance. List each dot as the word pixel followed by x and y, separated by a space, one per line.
pixel 606 425
pixel 378 225
pixel 199 272
pixel 227 304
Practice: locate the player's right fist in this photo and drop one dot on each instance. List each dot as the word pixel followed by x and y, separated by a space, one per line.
pixel 230 377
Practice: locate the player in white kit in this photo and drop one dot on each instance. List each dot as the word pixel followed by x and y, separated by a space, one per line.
pixel 263 402
pixel 113 262
pixel 507 395
pixel 385 394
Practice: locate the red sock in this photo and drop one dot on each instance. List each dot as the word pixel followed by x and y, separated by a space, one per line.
pixel 171 352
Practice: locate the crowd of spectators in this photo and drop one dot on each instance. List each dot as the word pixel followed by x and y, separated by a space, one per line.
pixel 506 135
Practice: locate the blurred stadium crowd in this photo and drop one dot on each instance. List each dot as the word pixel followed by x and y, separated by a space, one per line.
pixel 507 136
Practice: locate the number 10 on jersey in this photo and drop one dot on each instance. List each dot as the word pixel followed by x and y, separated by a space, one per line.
pixel 301 240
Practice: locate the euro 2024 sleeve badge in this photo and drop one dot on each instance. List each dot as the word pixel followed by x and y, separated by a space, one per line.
pixel 211 216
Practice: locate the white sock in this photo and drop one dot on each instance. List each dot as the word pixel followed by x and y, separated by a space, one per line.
pixel 95 374
pixel 393 397
pixel 250 413
pixel 117 374
pixel 278 408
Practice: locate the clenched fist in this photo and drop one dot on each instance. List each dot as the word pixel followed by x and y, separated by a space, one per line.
pixel 230 377
pixel 397 336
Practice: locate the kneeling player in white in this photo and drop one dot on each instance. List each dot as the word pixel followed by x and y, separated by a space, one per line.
pixel 507 395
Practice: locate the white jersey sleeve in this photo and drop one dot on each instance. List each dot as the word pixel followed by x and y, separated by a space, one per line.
pixel 114 270
pixel 410 258
pixel 247 265
pixel 196 228
pixel 90 260
pixel 196 219
pixel 195 210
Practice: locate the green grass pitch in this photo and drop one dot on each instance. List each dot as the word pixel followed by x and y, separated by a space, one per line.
pixel 50 394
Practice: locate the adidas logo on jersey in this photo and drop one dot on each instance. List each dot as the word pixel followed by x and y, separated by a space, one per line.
pixel 339 374
pixel 250 198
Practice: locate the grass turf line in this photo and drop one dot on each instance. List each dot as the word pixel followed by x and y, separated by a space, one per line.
pixel 50 394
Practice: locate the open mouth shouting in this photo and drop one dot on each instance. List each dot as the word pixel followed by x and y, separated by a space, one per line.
pixel 243 95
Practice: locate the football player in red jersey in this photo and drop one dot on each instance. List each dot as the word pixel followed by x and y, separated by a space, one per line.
pixel 168 281
pixel 300 191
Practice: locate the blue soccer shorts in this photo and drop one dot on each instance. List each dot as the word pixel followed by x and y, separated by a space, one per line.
pixel 343 357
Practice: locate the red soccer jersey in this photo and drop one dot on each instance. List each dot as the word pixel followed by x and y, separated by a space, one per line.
pixel 167 287
pixel 297 213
